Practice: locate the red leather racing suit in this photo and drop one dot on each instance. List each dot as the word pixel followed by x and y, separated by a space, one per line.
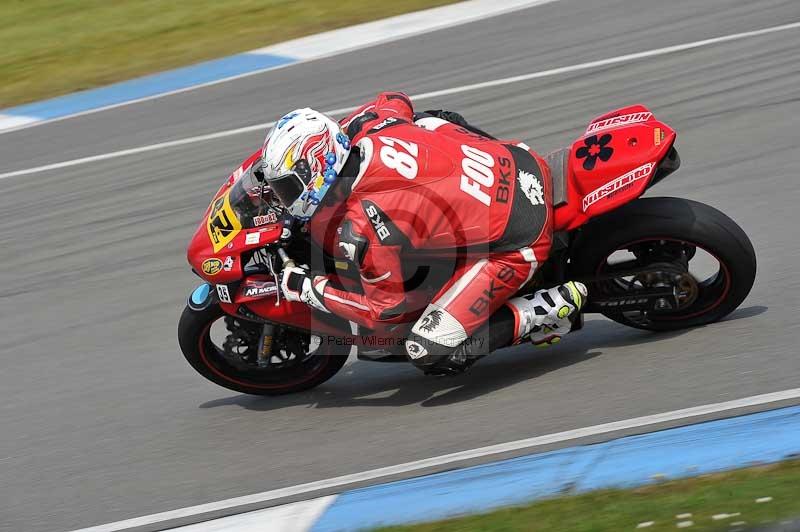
pixel 433 185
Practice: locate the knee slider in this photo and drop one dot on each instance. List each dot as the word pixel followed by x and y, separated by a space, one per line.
pixel 435 336
pixel 424 353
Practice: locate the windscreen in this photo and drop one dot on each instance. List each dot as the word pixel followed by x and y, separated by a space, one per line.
pixel 253 201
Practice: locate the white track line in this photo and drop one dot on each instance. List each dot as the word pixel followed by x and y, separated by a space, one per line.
pixel 422 96
pixel 373 474
pixel 613 60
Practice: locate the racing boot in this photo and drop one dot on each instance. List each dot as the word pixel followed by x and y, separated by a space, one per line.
pixel 544 317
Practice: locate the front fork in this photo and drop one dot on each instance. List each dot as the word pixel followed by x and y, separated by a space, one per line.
pixel 265 345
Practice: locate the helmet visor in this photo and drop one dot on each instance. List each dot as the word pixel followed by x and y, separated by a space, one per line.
pixel 290 186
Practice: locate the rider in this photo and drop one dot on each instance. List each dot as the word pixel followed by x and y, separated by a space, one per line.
pixel 424 181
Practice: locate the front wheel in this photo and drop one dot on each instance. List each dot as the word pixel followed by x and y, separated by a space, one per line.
pixel 228 356
pixel 706 258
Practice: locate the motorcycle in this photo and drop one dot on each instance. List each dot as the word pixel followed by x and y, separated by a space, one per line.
pixel 633 253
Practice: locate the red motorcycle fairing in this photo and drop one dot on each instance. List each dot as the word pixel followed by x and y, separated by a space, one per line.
pixel 611 164
pixel 219 241
pixel 259 293
pixel 293 314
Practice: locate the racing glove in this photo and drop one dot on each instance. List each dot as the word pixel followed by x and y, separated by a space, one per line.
pixel 299 284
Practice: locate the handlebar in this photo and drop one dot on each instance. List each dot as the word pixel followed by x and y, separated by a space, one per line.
pixel 287 262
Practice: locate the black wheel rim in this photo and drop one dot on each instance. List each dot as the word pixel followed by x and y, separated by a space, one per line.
pixel 701 294
pixel 288 373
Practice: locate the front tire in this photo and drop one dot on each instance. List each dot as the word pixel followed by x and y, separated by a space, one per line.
pixel 651 229
pixel 194 337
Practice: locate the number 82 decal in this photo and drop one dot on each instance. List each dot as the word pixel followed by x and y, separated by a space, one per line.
pixel 404 160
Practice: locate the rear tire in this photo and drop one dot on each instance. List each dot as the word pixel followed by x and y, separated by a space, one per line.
pixel 680 221
pixel 204 356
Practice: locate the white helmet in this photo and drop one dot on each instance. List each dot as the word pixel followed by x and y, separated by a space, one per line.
pixel 302 157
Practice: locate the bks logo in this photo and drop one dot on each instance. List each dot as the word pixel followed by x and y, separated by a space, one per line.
pixel 504 186
pixel 594 149
pixel 488 295
pixel 386 123
pixel 374 215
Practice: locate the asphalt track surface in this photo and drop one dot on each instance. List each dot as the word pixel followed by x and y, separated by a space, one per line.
pixel 101 418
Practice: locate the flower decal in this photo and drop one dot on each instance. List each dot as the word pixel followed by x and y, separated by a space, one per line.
pixel 594 149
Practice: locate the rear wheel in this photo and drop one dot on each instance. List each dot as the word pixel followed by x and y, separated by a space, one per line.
pixel 226 354
pixel 699 254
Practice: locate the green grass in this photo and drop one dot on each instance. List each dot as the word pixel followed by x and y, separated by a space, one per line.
pixel 53 47
pixel 616 510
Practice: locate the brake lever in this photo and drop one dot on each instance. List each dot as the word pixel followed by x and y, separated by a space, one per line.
pixel 275 278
